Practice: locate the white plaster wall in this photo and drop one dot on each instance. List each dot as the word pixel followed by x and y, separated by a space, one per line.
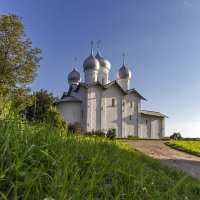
pixel 94 108
pixel 130 108
pixel 145 130
pixel 124 83
pixel 91 76
pixel 103 74
pixel 71 111
pixel 113 114
pixel 152 128
pixel 156 127
pixel 81 94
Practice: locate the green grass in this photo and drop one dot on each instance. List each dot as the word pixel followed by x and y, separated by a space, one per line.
pixel 192 147
pixel 38 162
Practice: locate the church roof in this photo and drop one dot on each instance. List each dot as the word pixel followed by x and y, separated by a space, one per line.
pixel 66 98
pixel 153 113
pixel 136 92
pixel 104 87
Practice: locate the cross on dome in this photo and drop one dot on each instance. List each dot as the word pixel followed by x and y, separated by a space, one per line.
pixel 91 44
pixel 123 58
pixel 75 63
pixel 98 44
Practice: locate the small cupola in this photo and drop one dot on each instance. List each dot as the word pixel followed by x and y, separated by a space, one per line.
pixel 74 76
pixel 124 76
pixel 123 72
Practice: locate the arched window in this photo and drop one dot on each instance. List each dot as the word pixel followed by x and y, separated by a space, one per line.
pixel 130 117
pixel 131 104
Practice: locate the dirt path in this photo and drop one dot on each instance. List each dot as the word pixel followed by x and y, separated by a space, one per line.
pixel 160 151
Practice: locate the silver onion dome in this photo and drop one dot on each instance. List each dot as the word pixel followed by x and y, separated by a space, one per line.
pixel 74 76
pixel 103 61
pixel 124 72
pixel 91 63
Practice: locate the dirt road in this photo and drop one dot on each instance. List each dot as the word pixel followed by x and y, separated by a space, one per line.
pixel 160 151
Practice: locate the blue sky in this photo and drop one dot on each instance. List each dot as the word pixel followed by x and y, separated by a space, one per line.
pixel 161 40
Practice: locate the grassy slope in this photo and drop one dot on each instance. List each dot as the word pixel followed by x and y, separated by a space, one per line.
pixel 192 147
pixel 39 162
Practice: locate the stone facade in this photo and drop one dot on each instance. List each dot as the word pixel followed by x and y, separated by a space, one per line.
pixel 99 104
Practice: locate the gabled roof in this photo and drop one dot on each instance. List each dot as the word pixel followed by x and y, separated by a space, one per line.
pixel 69 99
pixel 95 83
pixel 152 113
pixel 114 83
pixel 136 92
pixel 104 87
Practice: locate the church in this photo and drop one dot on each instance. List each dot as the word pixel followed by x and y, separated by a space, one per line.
pixel 101 104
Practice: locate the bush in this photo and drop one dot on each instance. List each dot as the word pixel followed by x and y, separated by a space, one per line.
pixel 55 118
pixel 111 134
pixel 97 133
pixel 131 137
pixel 76 128
pixel 176 136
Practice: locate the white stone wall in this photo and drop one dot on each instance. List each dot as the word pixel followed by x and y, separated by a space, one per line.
pixel 103 75
pixel 94 108
pixel 130 116
pixel 151 127
pixel 124 83
pixel 71 111
pixel 91 76
pixel 82 95
pixel 113 114
pixel 96 111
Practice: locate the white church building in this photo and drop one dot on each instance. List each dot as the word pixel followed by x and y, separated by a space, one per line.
pixel 101 104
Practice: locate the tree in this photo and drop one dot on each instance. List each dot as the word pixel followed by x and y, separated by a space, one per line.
pixel 176 136
pixel 39 110
pixel 18 60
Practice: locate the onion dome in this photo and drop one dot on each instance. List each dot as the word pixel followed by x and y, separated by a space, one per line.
pixel 91 62
pixel 124 72
pixel 103 61
pixel 74 76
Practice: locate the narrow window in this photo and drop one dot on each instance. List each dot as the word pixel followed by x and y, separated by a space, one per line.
pixel 130 117
pixel 82 113
pixel 146 121
pixel 131 104
pixel 113 102
pixel 102 81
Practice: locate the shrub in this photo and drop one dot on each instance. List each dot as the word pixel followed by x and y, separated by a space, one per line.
pixel 176 136
pixel 76 128
pixel 97 133
pixel 131 137
pixel 55 118
pixel 111 134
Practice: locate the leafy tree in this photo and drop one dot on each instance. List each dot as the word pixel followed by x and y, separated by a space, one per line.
pixel 39 110
pixel 176 136
pixel 18 59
